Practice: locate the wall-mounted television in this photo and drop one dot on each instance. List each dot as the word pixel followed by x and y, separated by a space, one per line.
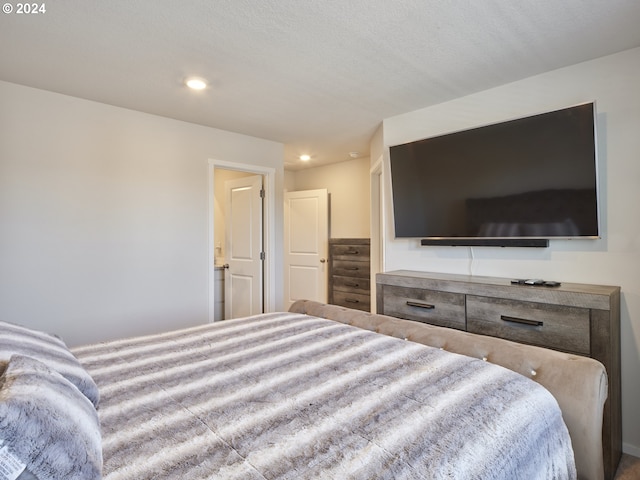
pixel 532 178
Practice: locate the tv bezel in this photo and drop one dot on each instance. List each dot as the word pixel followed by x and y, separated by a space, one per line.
pixel 506 241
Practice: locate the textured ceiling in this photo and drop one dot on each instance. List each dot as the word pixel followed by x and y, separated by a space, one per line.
pixel 318 76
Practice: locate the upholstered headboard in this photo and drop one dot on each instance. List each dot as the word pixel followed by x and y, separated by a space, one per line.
pixel 579 384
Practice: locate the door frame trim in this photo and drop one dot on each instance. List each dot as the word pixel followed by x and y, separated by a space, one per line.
pixel 268 225
pixel 377 222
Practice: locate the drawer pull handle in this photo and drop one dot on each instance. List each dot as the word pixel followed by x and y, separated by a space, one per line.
pixel 349 284
pixel 351 268
pixel 351 300
pixel 352 252
pixel 427 306
pixel 525 321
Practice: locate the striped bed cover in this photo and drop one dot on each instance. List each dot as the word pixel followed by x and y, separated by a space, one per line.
pixel 289 396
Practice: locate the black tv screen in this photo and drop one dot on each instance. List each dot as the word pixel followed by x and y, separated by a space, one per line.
pixel 529 178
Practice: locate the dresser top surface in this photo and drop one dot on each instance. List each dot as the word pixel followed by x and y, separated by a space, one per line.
pixel 499 287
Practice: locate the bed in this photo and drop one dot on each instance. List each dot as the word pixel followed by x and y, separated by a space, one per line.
pixel 319 392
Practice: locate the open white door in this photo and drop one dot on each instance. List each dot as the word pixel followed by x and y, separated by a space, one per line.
pixel 306 243
pixel 243 246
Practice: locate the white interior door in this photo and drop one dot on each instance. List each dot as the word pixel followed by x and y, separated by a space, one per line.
pixel 306 243
pixel 243 246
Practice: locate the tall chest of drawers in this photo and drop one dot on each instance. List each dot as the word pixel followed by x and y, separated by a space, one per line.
pixel 577 318
pixel 349 273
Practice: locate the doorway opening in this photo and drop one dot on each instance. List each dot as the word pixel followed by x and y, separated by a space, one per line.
pixel 217 231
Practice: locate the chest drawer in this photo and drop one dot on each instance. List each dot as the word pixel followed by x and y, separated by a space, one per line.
pixel 551 326
pixel 347 268
pixel 352 284
pixel 352 300
pixel 350 252
pixel 428 306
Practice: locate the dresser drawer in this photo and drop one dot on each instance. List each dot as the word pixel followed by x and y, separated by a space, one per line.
pixel 352 300
pixel 428 306
pixel 350 252
pixel 346 268
pixel 551 326
pixel 351 284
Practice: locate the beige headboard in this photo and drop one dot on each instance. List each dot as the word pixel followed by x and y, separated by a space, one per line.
pixel 579 384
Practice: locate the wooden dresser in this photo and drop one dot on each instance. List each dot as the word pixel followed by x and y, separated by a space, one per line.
pixel 576 318
pixel 349 273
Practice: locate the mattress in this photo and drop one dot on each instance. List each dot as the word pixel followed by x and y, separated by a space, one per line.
pixel 290 396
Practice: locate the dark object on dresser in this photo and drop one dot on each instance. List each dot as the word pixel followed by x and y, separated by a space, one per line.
pixel 349 273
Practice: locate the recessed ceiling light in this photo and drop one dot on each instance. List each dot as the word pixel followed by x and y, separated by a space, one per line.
pixel 305 158
pixel 196 83
pixel 354 154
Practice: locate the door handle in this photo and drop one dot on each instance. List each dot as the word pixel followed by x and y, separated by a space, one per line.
pixel 226 265
pixel 322 260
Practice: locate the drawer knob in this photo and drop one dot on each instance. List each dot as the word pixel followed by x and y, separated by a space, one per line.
pixel 523 321
pixel 427 306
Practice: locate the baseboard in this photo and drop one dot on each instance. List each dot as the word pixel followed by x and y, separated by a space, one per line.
pixel 631 449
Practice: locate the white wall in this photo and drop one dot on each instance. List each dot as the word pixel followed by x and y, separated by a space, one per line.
pixel 104 214
pixel 348 186
pixel 612 82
